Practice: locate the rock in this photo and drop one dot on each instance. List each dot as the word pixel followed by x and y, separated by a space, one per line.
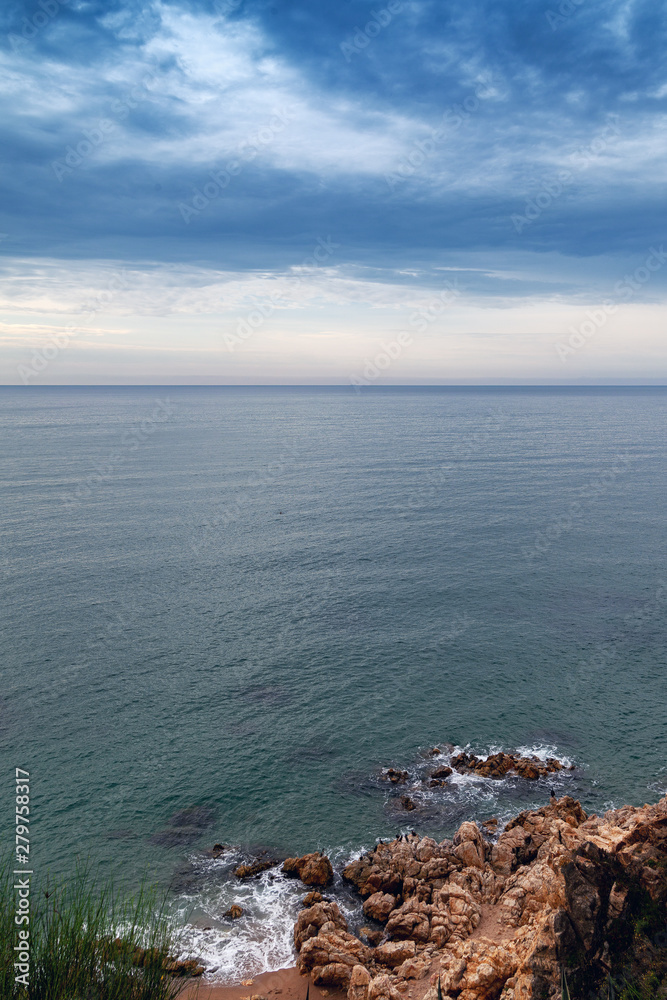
pixel 559 888
pixel 441 772
pixel 312 869
pixel 379 906
pixel 411 920
pixel 497 765
pixel 311 897
pixel 382 988
pixel 396 777
pixel 407 803
pixel 359 981
pixel 394 953
pixel 234 912
pixel 414 968
pixel 373 937
pixel 251 871
pixel 188 967
pixel 310 921
pixel 469 845
pixel 331 955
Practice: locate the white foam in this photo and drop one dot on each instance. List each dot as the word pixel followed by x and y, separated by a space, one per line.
pixel 259 941
pixel 262 939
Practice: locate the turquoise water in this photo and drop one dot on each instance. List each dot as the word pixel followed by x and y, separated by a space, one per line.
pixel 250 599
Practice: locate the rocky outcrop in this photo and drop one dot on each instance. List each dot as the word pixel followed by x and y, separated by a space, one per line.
pixel 497 765
pixel 326 950
pixel 489 916
pixel 312 869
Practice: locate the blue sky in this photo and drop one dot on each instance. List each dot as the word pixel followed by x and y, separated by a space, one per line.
pixel 272 191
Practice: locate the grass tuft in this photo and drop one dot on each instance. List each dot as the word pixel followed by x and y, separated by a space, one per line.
pixel 86 943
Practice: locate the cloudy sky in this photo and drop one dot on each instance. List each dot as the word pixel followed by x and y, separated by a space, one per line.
pixel 224 191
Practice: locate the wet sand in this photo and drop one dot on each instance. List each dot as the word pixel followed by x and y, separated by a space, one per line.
pixel 285 984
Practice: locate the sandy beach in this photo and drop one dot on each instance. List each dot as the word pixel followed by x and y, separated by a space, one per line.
pixel 284 984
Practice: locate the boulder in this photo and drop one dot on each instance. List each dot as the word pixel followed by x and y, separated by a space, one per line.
pixel 411 920
pixel 312 897
pixel 414 968
pixel 382 988
pixel 234 912
pixel 310 921
pixel 379 906
pixel 252 870
pixel 441 772
pixel 394 953
pixel 360 979
pixel 312 869
pixel 469 845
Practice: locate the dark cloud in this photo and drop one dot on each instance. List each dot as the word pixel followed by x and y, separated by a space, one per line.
pixel 550 72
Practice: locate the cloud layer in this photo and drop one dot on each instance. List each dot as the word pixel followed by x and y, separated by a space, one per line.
pixel 206 151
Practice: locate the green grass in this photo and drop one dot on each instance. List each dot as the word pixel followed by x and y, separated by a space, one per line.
pixel 86 943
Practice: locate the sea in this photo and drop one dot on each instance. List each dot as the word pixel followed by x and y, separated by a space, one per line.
pixel 228 610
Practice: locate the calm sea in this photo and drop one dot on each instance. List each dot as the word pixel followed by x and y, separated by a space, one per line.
pixel 227 608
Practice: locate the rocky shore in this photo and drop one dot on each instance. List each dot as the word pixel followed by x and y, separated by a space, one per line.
pixel 493 912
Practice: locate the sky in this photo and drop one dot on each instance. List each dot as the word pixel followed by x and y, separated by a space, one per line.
pixel 333 191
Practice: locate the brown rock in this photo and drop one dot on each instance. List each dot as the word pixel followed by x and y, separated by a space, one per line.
pixel 311 897
pixel 396 777
pixel 310 921
pixel 234 912
pixel 373 937
pixel 407 803
pixel 312 869
pixel 379 906
pixel 188 967
pixel 394 953
pixel 469 845
pixel 414 968
pixel 382 988
pixel 251 871
pixel 359 981
pixel 441 772
pixel 411 920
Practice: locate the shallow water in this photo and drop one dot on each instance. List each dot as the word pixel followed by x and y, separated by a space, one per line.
pixel 250 600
